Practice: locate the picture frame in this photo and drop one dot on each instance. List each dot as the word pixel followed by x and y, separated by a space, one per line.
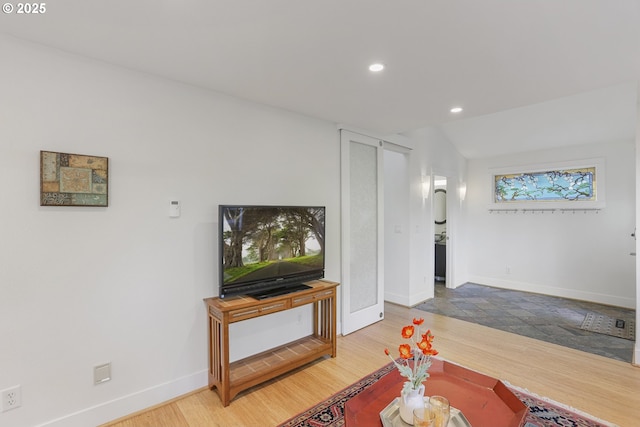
pixel 565 185
pixel 73 179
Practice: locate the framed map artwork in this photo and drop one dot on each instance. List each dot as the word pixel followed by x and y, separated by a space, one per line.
pixel 73 179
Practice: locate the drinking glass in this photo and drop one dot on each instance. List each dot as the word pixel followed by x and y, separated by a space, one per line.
pixel 424 417
pixel 441 409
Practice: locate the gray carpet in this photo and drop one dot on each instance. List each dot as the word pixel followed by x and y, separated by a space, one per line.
pixel 551 319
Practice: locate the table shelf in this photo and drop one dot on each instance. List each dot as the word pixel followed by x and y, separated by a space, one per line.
pixel 231 378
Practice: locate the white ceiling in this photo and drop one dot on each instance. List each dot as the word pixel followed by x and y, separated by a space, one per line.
pixel 557 71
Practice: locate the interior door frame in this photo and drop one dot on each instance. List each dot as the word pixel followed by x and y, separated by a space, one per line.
pixel 451 198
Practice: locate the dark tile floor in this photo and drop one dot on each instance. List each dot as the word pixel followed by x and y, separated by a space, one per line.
pixel 547 318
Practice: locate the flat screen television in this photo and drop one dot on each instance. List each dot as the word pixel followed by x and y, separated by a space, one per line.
pixel 269 250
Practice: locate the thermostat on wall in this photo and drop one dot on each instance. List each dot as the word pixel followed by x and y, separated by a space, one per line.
pixel 174 208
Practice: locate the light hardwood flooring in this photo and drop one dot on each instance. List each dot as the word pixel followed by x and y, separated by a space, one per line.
pixel 605 388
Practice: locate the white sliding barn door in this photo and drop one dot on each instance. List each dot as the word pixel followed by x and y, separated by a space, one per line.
pixel 362 231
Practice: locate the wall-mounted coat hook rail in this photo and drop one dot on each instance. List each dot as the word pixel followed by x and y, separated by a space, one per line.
pixel 538 210
pixel 502 210
pixel 584 210
pixel 543 210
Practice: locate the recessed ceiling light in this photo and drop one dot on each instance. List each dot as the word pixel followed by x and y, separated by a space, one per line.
pixel 376 67
pixel 456 110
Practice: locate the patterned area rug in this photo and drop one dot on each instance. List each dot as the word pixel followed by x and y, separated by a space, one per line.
pixel 621 328
pixel 543 412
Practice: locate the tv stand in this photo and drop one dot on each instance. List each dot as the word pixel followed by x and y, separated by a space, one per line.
pixel 229 379
pixel 283 290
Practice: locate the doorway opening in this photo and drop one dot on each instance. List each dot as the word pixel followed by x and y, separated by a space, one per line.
pixel 440 229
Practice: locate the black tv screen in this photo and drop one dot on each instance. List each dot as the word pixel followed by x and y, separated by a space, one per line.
pixel 269 250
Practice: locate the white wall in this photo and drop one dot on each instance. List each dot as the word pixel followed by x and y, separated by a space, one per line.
pixel 125 284
pixel 397 228
pixel 444 160
pixel 578 255
pixel 431 154
pixel 636 352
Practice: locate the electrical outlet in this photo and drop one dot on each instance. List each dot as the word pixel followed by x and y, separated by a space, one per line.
pixel 102 373
pixel 11 398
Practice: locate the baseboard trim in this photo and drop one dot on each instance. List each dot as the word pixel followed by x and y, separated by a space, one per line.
pixel 124 406
pixel 554 291
pixel 396 299
pixel 407 300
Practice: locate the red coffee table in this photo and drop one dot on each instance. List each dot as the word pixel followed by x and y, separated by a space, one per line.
pixel 484 401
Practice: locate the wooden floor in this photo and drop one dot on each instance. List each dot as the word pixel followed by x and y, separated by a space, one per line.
pixel 603 387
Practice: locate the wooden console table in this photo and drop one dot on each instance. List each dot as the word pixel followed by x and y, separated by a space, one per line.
pixel 231 378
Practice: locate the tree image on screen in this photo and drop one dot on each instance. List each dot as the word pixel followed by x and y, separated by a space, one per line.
pixel 271 242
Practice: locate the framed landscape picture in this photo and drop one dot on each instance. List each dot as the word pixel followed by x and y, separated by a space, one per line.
pixel 566 185
pixel 73 179
pixel 552 185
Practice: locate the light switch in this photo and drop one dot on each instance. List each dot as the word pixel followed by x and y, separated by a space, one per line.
pixel 174 208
